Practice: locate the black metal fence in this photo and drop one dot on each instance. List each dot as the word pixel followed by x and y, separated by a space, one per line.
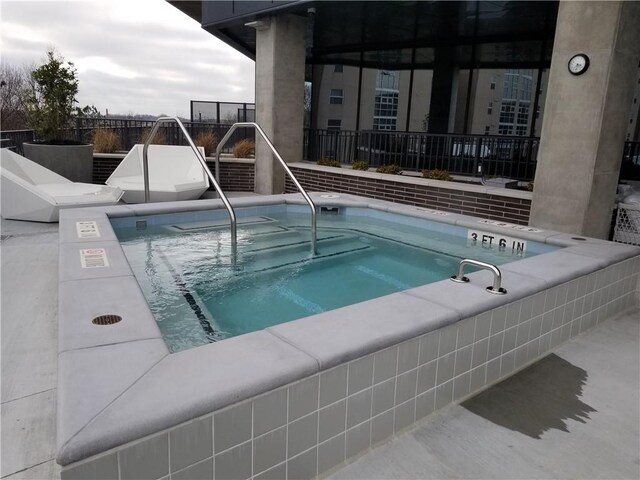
pixel 472 155
pixel 132 131
pixel 14 139
pixel 222 112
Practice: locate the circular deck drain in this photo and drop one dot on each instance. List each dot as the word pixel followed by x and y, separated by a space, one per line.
pixel 106 320
pixel 579 238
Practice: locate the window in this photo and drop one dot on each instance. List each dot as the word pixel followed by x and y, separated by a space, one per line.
pixel 508 111
pixel 385 110
pixel 490 108
pixel 487 130
pixel 334 124
pixel 337 68
pixel 523 113
pixel 336 96
pixel 492 86
pixel 505 129
pixel 387 80
pixel 516 102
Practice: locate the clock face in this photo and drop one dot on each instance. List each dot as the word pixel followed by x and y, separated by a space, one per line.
pixel 578 64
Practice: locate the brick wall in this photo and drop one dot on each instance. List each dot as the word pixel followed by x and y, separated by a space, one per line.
pixel 234 177
pixel 483 205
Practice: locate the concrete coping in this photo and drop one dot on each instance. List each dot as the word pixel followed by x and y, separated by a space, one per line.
pixel 412 180
pixel 118 383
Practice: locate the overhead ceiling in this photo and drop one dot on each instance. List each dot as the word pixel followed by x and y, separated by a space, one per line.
pixel 397 34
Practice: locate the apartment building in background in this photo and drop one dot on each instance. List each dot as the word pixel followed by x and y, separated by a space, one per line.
pixel 493 102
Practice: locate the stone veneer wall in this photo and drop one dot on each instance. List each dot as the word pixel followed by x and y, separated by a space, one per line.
pixel 235 176
pixel 420 193
pixel 314 425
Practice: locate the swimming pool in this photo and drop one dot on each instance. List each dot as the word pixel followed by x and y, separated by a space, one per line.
pixel 197 296
pixel 296 399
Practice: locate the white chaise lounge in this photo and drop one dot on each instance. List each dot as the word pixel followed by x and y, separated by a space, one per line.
pixel 32 192
pixel 174 174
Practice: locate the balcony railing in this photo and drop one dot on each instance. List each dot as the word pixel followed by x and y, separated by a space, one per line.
pixel 470 155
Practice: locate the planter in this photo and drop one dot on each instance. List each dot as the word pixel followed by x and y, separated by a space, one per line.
pixel 74 162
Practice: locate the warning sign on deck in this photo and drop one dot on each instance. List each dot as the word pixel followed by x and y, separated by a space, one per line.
pixel 87 229
pixel 94 258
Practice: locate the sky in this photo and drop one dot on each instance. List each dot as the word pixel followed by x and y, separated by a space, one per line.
pixel 132 56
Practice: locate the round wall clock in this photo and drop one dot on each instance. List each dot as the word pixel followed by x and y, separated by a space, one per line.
pixel 578 64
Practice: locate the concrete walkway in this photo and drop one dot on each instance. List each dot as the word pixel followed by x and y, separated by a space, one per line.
pixel 29 349
pixel 573 414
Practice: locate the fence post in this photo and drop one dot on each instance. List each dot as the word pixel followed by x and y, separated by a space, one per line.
pixel 78 135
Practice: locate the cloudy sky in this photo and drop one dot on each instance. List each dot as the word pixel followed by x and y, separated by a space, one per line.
pixel 132 56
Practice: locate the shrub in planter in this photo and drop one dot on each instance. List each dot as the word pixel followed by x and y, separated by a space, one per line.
pixel 207 140
pixel 49 104
pixel 329 162
pixel 360 165
pixel 50 101
pixel 390 169
pixel 244 149
pixel 106 140
pixel 437 175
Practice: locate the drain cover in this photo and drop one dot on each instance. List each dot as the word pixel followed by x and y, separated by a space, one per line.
pixel 106 320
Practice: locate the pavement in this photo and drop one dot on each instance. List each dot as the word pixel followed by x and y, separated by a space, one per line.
pixel 573 414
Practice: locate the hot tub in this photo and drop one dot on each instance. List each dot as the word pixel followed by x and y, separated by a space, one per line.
pixel 300 394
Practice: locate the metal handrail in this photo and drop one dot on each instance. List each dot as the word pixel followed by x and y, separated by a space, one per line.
pixel 497 276
pixel 203 163
pixel 282 162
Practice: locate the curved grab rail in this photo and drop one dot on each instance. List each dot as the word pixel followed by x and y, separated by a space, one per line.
pixel 203 163
pixel 497 276
pixel 307 198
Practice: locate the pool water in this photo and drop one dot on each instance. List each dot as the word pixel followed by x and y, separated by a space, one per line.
pixel 197 295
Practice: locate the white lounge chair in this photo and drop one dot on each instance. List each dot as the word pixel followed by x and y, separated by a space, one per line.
pixel 32 192
pixel 174 174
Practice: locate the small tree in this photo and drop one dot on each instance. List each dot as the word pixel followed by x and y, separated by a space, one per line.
pixel 50 102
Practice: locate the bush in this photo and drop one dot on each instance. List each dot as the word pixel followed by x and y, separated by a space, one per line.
pixel 158 139
pixel 105 141
pixel 207 140
pixel 390 169
pixel 437 175
pixel 244 149
pixel 360 165
pixel 50 100
pixel 530 187
pixel 329 162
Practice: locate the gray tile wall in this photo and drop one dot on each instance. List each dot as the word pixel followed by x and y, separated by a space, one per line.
pixel 314 425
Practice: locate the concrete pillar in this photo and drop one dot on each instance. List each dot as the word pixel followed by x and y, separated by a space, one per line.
pixel 444 91
pixel 280 68
pixel 586 117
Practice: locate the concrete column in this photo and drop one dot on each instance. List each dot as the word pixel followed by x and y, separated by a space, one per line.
pixel 444 91
pixel 280 64
pixel 586 117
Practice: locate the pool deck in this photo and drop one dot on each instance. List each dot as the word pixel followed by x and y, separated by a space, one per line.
pixel 589 426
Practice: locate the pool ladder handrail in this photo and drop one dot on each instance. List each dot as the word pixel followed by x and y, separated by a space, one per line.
pixel 497 276
pixel 307 198
pixel 203 163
